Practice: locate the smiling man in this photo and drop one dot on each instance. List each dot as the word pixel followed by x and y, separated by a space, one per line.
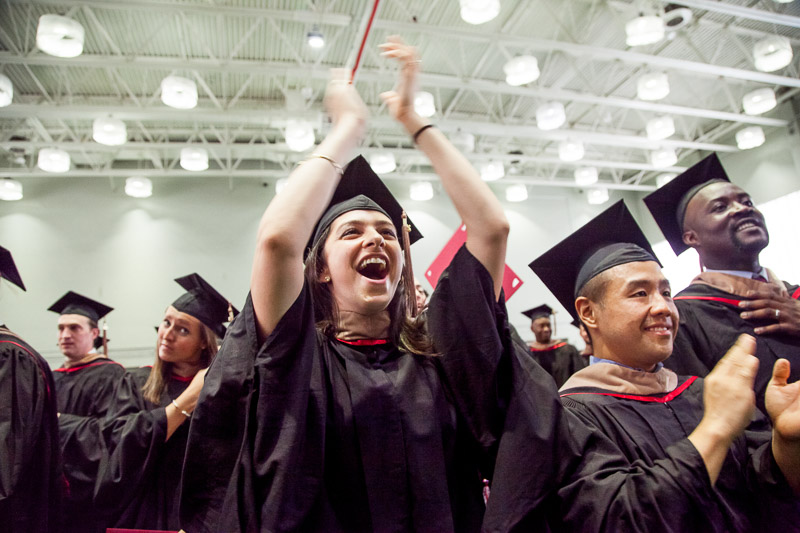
pixel 735 293
pixel 739 475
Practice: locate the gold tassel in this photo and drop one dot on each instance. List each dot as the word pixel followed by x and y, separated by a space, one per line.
pixel 230 312
pixel 105 338
pixel 408 271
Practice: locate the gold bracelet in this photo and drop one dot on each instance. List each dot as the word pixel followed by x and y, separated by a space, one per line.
pixel 330 160
pixel 184 413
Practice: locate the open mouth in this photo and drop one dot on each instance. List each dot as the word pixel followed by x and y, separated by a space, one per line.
pixel 748 225
pixel 373 268
pixel 659 329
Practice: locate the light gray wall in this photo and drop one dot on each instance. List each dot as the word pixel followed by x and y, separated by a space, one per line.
pixel 86 235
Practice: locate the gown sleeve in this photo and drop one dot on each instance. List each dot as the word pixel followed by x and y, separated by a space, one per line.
pixel 509 403
pixel 777 504
pixel 272 422
pixel 606 492
pixel 29 465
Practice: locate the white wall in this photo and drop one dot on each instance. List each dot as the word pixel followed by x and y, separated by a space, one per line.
pixel 86 235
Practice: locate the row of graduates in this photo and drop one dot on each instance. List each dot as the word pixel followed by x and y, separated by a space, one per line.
pixel 329 407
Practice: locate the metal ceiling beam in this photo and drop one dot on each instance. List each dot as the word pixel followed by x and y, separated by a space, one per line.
pixel 277 118
pixel 133 151
pixel 739 11
pixel 583 50
pixel 305 16
pixel 436 80
pixel 280 173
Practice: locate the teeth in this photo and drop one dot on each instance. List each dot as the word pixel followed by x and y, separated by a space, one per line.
pixel 372 260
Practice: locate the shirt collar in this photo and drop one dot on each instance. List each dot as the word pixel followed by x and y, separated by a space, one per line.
pixel 742 273
pixel 594 360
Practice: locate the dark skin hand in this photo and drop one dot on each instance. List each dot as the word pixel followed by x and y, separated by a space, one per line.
pixel 769 304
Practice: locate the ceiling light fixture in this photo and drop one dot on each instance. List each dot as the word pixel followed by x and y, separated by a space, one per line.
pixel 550 116
pixel 644 29
pixel 299 135
pixel 383 162
pixel 463 141
pixel 772 53
pixel 280 185
pixel 759 101
pixel 479 11
pixel 597 195
pixel 6 90
pixel 315 38
pixel 659 128
pixel 194 159
pixel 492 171
pixel 53 160
pixel 654 86
pixel 750 137
pixel 424 104
pixel 516 193
pixel 663 179
pixel 59 36
pixel 10 190
pixel 521 70
pixel 585 176
pixel 421 191
pixel 109 131
pixel 663 158
pixel 178 92
pixel 138 187
pixel 570 150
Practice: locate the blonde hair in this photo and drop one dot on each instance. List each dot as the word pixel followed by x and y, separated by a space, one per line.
pixel 161 371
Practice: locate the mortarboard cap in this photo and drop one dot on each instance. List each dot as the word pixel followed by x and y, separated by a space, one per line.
pixel 538 311
pixel 204 303
pixel 73 303
pixel 612 238
pixel 361 188
pixel 668 203
pixel 8 269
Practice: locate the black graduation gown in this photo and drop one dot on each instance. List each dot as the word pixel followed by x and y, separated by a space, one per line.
pixel 335 438
pixel 87 389
pixel 31 483
pixel 750 494
pixel 560 361
pixel 552 472
pixel 132 472
pixel 709 326
pixel 139 479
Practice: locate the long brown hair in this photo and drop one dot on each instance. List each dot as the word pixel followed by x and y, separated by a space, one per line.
pixel 407 333
pixel 161 371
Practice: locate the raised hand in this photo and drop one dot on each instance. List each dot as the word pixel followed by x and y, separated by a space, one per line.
pixel 400 101
pixel 728 396
pixel 342 100
pixel 783 402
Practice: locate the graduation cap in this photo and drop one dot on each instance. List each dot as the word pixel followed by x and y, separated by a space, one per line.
pixel 8 269
pixel 360 188
pixel 203 302
pixel 668 203
pixel 73 303
pixel 538 311
pixel 612 238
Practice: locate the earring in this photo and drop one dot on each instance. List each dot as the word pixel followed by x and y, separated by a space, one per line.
pixel 327 279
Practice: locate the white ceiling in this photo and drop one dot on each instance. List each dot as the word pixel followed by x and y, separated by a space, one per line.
pixel 248 56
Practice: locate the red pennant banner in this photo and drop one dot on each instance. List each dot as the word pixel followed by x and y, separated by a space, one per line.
pixel 511 282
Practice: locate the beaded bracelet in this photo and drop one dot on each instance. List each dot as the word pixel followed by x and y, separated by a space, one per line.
pixel 423 128
pixel 184 413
